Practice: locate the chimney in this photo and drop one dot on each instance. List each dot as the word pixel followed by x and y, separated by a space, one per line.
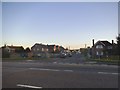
pixel 93 42
pixel 112 42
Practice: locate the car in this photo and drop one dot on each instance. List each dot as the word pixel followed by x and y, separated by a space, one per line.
pixel 69 55
pixel 63 55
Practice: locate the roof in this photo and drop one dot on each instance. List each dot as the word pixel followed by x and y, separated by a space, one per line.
pixel 51 45
pixel 15 46
pixel 105 43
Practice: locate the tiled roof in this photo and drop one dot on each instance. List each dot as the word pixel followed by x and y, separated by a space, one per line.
pixel 15 46
pixel 106 43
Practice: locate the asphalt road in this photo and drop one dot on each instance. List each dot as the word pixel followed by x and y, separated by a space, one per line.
pixel 38 74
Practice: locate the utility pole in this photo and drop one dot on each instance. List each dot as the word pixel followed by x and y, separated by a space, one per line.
pixel 69 47
pixel 85 45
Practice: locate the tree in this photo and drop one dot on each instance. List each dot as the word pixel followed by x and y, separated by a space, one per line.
pixel 27 50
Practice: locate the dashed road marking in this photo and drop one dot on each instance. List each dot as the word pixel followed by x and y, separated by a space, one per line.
pixel 44 69
pixel 107 73
pixel 68 70
pixel 50 69
pixel 29 60
pixel 28 86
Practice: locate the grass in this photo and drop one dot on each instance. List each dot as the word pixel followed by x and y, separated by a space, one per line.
pixel 110 60
pixel 104 60
pixel 21 59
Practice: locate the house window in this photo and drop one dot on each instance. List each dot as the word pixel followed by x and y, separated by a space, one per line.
pixel 46 49
pixel 99 53
pixel 109 47
pixel 39 54
pixel 34 49
pixel 37 49
pixel 99 46
pixel 42 49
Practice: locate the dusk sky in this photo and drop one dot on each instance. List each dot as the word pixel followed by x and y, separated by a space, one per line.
pixel 71 24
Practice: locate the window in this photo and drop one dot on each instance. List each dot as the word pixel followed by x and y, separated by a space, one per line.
pixel 42 49
pixel 38 54
pixel 46 49
pixel 99 46
pixel 99 53
pixel 37 49
pixel 34 49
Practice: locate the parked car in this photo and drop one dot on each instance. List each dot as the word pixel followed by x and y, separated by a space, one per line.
pixel 63 55
pixel 69 54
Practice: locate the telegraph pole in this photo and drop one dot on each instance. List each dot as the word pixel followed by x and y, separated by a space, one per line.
pixel 85 45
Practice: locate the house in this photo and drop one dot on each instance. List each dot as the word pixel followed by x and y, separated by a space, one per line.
pixel 41 50
pixel 12 51
pixel 16 49
pixel 61 48
pixel 5 52
pixel 102 49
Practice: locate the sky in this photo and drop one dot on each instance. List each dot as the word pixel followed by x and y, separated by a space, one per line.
pixel 69 24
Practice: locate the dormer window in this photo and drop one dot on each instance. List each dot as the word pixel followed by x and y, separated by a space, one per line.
pixel 99 46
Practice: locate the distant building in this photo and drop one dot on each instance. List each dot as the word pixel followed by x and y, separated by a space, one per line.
pixel 102 49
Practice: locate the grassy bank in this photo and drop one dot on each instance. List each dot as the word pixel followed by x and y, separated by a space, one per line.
pixel 22 59
pixel 105 61
pixel 108 60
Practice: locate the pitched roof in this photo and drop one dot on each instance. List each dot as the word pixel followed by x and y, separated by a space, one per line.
pixel 106 43
pixel 51 45
pixel 14 46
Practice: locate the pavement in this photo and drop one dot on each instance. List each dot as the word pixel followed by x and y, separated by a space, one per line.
pixel 70 72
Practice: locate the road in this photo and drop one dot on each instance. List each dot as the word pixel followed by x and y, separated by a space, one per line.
pixel 35 74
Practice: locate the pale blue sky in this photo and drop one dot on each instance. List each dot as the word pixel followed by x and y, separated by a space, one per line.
pixel 68 24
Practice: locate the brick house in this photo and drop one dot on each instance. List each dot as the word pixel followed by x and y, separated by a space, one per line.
pixel 102 49
pixel 14 51
pixel 41 50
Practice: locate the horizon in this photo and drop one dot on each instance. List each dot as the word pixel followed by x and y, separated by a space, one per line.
pixel 61 23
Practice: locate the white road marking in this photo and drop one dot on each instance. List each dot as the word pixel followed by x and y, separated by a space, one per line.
pixel 29 60
pixel 50 69
pixel 44 69
pixel 107 73
pixel 39 69
pixel 68 70
pixel 28 86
